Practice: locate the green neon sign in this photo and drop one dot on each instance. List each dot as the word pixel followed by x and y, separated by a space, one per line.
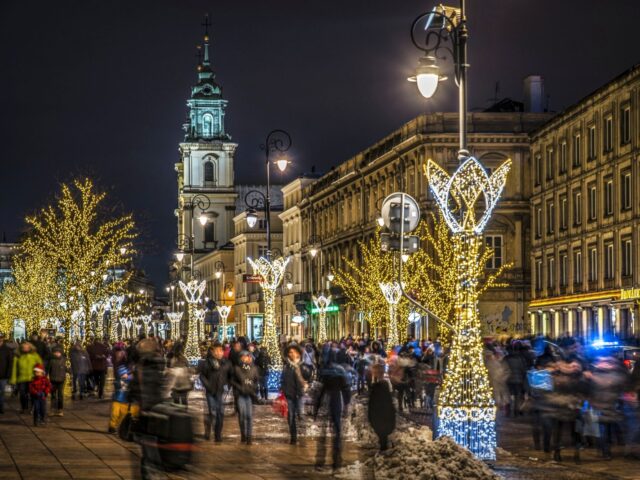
pixel 330 308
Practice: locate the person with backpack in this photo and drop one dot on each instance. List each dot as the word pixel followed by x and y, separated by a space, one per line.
pixel 80 369
pixel 6 363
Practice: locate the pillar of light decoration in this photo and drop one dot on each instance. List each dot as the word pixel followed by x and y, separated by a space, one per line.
pixel 114 303
pixel 272 273
pixel 192 292
pixel 174 319
pixel 224 311
pixel 75 332
pixel 466 409
pixel 322 303
pixel 392 294
pixel 146 321
pixel 201 313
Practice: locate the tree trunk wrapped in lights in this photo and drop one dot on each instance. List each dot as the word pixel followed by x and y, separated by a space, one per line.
pixel 466 409
pixel 392 294
pixel 224 311
pixel 174 319
pixel 192 292
pixel 272 273
pixel 200 315
pixel 322 303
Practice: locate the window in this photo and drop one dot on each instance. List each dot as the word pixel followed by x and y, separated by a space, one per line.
pixel 207 125
pixel 576 150
pixel 538 274
pixel 577 267
pixel 549 164
pixel 577 208
pixel 593 264
pixel 593 202
pixel 551 217
pixel 608 261
pixel 563 212
pixel 608 196
pixel 592 143
pixel 538 222
pixel 563 269
pixel 563 157
pixel 627 265
pixel 262 223
pixel 495 242
pixel 209 174
pixel 551 264
pixel 608 134
pixel 209 232
pixel 625 180
pixel 262 251
pixel 625 125
pixel 537 167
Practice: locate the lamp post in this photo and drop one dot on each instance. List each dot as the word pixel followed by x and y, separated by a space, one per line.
pixel 219 274
pixel 466 409
pixel 188 242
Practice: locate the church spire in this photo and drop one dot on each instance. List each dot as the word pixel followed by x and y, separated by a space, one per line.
pixel 206 26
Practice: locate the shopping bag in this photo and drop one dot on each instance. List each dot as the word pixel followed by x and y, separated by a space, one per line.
pixel 280 405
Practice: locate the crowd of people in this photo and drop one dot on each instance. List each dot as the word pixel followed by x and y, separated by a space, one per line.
pixel 574 397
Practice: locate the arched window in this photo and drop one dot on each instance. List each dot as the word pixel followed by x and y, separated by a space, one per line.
pixel 207 125
pixel 209 233
pixel 209 172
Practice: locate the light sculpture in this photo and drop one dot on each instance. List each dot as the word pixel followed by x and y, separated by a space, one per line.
pixel 174 320
pixel 466 408
pixel 224 311
pixel 200 315
pixel 114 305
pixel 271 272
pixel 192 292
pixel 146 321
pixel 393 294
pixel 322 303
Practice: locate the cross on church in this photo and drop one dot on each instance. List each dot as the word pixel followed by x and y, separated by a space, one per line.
pixel 206 24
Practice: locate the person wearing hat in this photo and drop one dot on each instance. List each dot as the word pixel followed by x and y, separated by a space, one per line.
pixel 293 387
pixel 22 372
pixel 245 383
pixel 39 388
pixel 6 356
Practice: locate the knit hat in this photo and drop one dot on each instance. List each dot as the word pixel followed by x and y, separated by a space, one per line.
pixel 38 368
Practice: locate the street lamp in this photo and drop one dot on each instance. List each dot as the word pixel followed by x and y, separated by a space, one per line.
pixel 330 276
pixel 277 141
pixel 188 242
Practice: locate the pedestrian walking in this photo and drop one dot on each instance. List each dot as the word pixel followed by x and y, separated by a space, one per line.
pixel 215 373
pixel 245 383
pixel 98 354
pixel 382 412
pixel 22 372
pixel 262 363
pixel 179 382
pixel 57 371
pixel 293 387
pixel 121 404
pixel 39 388
pixel 80 368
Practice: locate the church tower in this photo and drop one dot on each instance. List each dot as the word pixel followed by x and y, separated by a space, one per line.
pixel 205 169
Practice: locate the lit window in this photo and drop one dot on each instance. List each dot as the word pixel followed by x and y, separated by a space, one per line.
pixel 563 269
pixel 551 265
pixel 608 134
pixel 563 157
pixel 593 203
pixel 577 267
pixel 495 242
pixel 577 208
pixel 207 125
pixel 593 264
pixel 576 150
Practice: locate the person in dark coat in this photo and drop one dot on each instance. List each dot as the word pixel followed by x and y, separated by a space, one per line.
pixel 335 395
pixel 516 379
pixel 293 387
pixel 382 411
pixel 80 368
pixel 215 373
pixel 57 371
pixel 6 363
pixel 262 363
pixel 98 353
pixel 245 383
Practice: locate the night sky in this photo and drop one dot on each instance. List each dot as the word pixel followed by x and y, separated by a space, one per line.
pixel 99 87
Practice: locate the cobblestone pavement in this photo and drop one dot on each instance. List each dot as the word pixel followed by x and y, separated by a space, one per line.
pixel 78 446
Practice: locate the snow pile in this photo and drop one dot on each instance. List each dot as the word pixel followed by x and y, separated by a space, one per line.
pixel 414 455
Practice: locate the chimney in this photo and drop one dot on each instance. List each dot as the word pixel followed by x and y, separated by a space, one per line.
pixel 534 94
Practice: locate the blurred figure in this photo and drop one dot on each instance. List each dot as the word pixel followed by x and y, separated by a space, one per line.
pixel 121 404
pixel 98 353
pixel 262 362
pixel 517 371
pixel 293 386
pixel 6 359
pixel 80 368
pixel 215 373
pixel 39 388
pixel 334 398
pixel 382 412
pixel 245 383
pixel 22 372
pixel 178 382
pixel 57 370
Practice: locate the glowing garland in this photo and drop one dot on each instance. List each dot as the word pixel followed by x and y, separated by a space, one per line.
pixel 466 409
pixel 392 294
pixel 322 304
pixel 224 311
pixel 192 292
pixel 272 273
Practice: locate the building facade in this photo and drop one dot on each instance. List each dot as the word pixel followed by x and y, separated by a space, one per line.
pixel 330 214
pixel 585 234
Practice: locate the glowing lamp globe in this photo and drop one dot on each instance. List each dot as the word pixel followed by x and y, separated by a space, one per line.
pixel 218 274
pixel 330 277
pixel 380 221
pixel 203 219
pixel 282 164
pixel 289 285
pixel 179 256
pixel 252 218
pixel 313 252
pixel 427 76
pixel 123 250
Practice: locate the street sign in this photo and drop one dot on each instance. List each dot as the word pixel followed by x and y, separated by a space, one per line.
pixel 251 278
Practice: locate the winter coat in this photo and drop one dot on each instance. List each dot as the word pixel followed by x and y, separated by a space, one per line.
pixel 23 365
pixel 40 387
pixel 57 368
pixel 148 381
pixel 98 353
pixel 292 383
pixel 121 384
pixel 382 412
pixel 517 368
pixel 245 380
pixel 335 388
pixel 215 374
pixel 6 361
pixel 262 362
pixel 607 384
pixel 80 363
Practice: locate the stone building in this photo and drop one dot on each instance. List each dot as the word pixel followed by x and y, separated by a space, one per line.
pixel 585 230
pixel 330 214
